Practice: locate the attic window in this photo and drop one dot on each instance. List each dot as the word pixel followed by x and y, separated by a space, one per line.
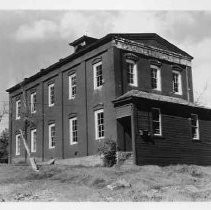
pixel 82 42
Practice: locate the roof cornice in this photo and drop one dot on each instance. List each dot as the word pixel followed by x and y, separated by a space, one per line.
pixel 148 50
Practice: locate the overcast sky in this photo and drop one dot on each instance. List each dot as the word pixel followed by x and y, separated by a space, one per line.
pixel 31 40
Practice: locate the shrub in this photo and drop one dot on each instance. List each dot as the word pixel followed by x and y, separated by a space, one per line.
pixel 107 148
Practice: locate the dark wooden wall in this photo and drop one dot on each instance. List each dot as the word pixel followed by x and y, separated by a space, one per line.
pixel 176 145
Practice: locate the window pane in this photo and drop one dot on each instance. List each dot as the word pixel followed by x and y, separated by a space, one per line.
pixel 130 72
pixel 175 82
pixel 35 141
pixel 155 114
pixel 73 131
pixel 194 126
pixel 72 86
pixel 156 121
pixel 156 127
pixel 100 125
pixel 154 78
pixel 99 75
pixel 194 132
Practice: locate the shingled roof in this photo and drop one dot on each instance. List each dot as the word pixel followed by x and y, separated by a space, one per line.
pixel 156 97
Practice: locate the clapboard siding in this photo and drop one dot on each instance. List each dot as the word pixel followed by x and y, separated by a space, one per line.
pixel 175 146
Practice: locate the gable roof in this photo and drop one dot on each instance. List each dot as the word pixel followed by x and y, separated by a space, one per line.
pixel 142 37
pixel 152 39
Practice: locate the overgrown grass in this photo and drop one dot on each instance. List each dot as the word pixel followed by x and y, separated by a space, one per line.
pixel 148 183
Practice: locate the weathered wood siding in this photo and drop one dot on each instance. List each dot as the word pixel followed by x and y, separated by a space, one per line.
pixel 175 146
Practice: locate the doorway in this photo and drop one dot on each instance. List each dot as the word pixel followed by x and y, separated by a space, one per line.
pixel 124 138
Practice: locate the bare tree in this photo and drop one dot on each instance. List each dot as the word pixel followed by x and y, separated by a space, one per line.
pixel 200 94
pixel 28 121
pixel 4 111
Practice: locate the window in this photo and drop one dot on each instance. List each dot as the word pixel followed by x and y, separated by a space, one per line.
pixel 131 73
pixel 177 82
pixel 156 122
pixel 51 95
pixel 195 126
pixel 155 77
pixel 52 136
pixel 33 102
pixel 72 86
pixel 98 75
pixel 99 124
pixel 33 140
pixel 73 131
pixel 18 109
pixel 18 144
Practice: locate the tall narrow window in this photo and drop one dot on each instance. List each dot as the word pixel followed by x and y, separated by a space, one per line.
pixel 156 121
pixel 52 136
pixel 33 140
pixel 155 77
pixel 72 86
pixel 73 131
pixel 98 75
pixel 177 82
pixel 51 95
pixel 33 102
pixel 18 144
pixel 195 126
pixel 99 124
pixel 131 73
pixel 18 109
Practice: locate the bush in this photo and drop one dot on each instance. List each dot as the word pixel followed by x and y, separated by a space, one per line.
pixel 107 148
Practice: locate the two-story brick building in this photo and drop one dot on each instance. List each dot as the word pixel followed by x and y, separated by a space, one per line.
pixel 134 88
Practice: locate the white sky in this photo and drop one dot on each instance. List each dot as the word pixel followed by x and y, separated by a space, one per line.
pixel 31 40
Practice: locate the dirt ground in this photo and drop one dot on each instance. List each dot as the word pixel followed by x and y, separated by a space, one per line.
pixel 89 183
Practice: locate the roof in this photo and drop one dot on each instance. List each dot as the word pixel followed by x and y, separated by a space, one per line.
pixel 93 45
pixel 156 97
pixel 81 39
pixel 143 37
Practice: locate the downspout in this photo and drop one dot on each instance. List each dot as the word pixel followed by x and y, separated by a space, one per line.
pixel 10 130
pixel 62 118
pixel 187 84
pixel 133 128
pixel 87 139
pixel 43 121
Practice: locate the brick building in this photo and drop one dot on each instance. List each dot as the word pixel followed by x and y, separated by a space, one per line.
pixel 134 88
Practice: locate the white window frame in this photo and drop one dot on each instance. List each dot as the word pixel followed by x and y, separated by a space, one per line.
pixel 71 120
pixel 49 95
pixel 97 136
pixel 95 75
pixel 33 103
pixel 160 122
pixel 179 82
pixel 50 136
pixel 33 140
pixel 158 79
pixel 17 113
pixel 135 73
pixel 18 144
pixel 71 86
pixel 197 127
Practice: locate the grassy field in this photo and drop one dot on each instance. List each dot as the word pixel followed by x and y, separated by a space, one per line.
pixel 89 183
